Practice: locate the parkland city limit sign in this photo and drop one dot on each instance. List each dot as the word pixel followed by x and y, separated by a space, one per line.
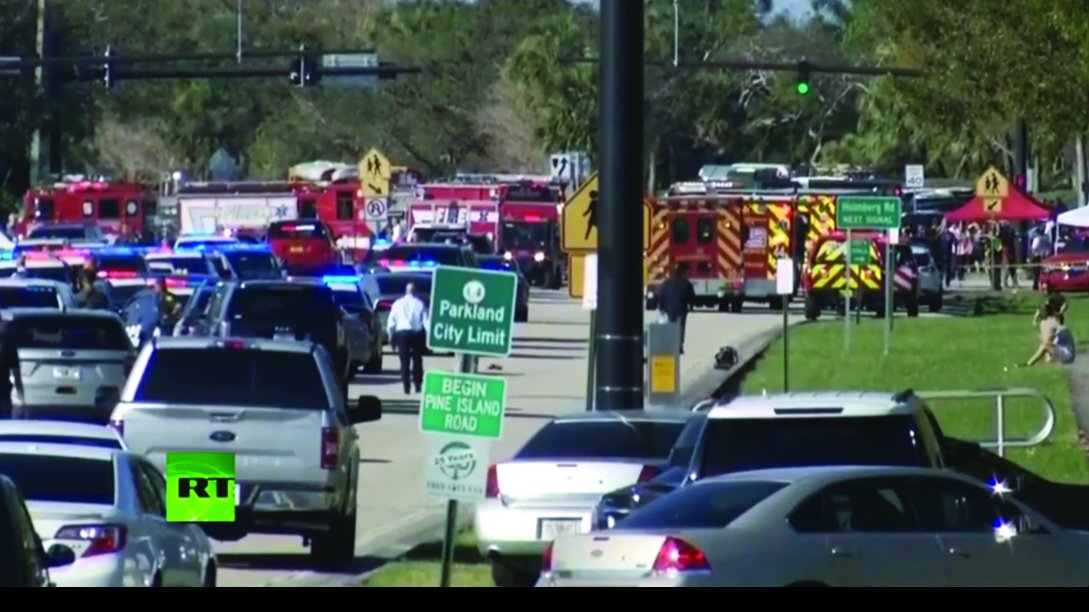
pixel 472 311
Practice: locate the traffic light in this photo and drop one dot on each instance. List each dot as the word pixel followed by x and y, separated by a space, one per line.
pixel 109 79
pixel 804 72
pixel 304 70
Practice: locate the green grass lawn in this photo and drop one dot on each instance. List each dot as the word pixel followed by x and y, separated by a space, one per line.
pixel 422 567
pixel 948 353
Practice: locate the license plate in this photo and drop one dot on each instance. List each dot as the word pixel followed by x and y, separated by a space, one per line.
pixel 66 373
pixel 553 528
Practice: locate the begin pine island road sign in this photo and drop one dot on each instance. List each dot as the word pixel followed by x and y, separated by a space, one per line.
pixel 580 219
pixel 867 212
pixel 463 405
pixel 472 311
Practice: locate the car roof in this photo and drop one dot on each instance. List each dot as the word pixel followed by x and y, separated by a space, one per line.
pixel 17 313
pixel 82 430
pixel 187 253
pixel 662 416
pixel 826 474
pixel 417 275
pixel 262 344
pixel 59 450
pixel 816 404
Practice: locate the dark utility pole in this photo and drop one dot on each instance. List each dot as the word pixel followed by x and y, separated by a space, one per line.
pixel 620 228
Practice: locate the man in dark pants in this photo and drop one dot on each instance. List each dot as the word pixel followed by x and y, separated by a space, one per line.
pixel 407 331
pixel 10 376
pixel 676 297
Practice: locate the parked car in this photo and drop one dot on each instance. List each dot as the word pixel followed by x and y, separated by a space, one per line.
pixel 23 560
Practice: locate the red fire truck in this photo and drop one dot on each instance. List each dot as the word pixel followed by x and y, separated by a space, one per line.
pixel 117 207
pixel 529 230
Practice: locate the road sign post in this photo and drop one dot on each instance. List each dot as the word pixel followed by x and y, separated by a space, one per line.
pixel 784 286
pixel 589 302
pixel 870 213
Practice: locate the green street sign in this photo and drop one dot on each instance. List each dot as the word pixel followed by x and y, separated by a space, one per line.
pixel 463 404
pixel 860 252
pixel 867 213
pixel 472 311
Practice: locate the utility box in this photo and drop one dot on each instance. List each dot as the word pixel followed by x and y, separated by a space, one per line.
pixel 663 364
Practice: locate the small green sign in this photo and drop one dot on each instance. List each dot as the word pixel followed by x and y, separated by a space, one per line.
pixel 200 488
pixel 867 212
pixel 463 404
pixel 860 251
pixel 472 311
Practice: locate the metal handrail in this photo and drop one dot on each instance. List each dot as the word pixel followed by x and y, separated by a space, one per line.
pixel 1001 442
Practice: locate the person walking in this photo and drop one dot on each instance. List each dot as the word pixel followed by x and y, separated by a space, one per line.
pixel 89 295
pixel 676 298
pixel 406 327
pixel 169 306
pixel 11 379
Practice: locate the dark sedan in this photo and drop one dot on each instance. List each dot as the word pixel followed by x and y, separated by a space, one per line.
pixel 502 264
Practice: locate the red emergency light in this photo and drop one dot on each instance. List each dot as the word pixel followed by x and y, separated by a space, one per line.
pixel 177 283
pixel 117 274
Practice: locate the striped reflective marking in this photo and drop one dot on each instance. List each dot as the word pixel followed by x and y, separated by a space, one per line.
pixel 728 241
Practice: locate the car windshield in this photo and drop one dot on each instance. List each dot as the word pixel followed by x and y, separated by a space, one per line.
pixel 233 377
pixel 394 284
pixel 296 231
pixel 60 439
pixel 68 233
pixel 253 266
pixel 524 235
pixel 122 263
pixel 69 331
pixel 705 506
pixel 405 255
pixel 590 439
pixel 738 445
pixel 29 297
pixel 72 480
pixel 282 305
pixel 183 266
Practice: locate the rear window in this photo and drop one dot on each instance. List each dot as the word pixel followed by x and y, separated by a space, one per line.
pixel 395 285
pixel 283 304
pixel 706 506
pixel 180 265
pixel 602 439
pixel 227 377
pixel 253 266
pixel 70 480
pixel 69 332
pixel 133 264
pixel 60 439
pixel 398 256
pixel 738 445
pixel 297 231
pixel 28 297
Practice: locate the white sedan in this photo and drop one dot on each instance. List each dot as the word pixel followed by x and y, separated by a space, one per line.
pixel 60 432
pixel 108 506
pixel 846 526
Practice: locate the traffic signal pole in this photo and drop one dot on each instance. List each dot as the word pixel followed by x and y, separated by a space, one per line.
pixel 620 251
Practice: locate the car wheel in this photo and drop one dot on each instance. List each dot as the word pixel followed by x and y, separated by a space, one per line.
pixel 812 308
pixel 505 575
pixel 913 306
pixel 737 305
pixel 374 366
pixel 336 547
pixel 521 314
pixel 209 576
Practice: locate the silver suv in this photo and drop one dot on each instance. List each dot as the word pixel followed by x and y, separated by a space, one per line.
pixel 73 362
pixel 277 406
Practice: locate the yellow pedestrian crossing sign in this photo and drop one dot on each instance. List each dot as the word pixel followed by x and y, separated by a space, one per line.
pixel 580 219
pixel 374 174
pixel 992 184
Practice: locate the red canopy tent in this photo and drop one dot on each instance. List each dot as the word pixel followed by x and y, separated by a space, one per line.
pixel 1017 206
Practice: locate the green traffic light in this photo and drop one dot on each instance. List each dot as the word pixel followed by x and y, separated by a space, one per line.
pixel 803 88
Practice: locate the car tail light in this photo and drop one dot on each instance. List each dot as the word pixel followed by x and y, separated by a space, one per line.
pixel 649 472
pixel 177 283
pixel 491 489
pixel 104 539
pixel 118 425
pixel 678 556
pixel 330 448
pixel 234 344
pixel 546 559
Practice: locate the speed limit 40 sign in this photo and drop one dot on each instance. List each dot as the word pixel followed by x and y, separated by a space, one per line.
pixel 377 209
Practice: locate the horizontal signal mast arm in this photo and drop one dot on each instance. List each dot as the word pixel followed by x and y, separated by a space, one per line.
pixel 771 66
pixel 35 62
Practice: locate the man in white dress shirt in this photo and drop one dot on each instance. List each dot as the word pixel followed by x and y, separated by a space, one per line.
pixel 407 326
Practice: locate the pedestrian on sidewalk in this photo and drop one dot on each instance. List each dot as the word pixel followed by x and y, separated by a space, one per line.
pixel 407 327
pixel 676 297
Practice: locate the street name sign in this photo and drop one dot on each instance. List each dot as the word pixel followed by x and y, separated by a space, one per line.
pixel 867 212
pixel 472 311
pixel 463 405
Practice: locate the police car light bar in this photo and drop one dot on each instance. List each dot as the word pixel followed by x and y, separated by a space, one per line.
pixel 340 280
pixel 7 255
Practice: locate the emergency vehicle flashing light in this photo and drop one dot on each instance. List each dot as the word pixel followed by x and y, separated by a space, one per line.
pixel 400 263
pixel 539 257
pixel 340 280
pixel 117 274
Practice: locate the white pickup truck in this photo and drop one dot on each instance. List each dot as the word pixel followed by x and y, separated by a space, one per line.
pixel 278 407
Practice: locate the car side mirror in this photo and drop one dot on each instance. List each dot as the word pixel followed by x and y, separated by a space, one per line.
pixel 60 555
pixel 367 410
